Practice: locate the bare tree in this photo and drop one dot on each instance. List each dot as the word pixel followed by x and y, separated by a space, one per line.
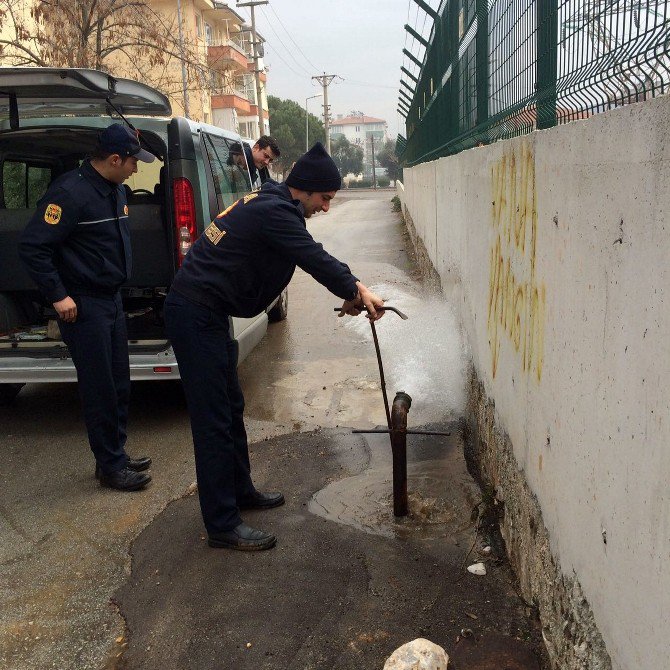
pixel 127 38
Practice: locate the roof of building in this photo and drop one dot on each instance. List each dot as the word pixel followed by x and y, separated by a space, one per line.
pixel 221 4
pixel 355 120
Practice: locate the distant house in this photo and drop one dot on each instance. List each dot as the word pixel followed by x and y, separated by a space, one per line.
pixel 359 129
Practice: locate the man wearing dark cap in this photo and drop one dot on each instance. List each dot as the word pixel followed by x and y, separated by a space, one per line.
pixel 245 259
pixel 76 248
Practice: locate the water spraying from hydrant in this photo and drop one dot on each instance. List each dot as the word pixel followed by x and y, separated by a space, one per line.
pixel 397 427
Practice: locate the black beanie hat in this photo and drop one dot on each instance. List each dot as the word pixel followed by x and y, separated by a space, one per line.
pixel 315 171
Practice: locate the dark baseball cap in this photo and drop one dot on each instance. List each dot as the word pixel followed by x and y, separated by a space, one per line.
pixel 120 139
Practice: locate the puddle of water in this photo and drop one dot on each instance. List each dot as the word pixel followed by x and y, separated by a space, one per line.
pixel 424 356
pixel 441 493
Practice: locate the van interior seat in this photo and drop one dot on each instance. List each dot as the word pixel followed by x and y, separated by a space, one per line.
pixel 142 198
pixel 159 188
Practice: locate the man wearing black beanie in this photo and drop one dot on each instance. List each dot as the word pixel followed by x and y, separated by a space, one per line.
pixel 315 171
pixel 242 262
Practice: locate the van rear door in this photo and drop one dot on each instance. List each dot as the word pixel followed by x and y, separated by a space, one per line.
pixel 51 92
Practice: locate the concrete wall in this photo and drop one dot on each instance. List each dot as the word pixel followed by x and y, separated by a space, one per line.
pixel 560 243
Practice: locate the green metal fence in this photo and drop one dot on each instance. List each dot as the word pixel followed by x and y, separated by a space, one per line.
pixel 493 69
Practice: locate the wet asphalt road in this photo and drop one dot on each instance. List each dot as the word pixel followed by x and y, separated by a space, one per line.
pixel 330 595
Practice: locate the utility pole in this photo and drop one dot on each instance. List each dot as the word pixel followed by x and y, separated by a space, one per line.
pixel 183 63
pixel 257 71
pixel 374 173
pixel 318 95
pixel 325 80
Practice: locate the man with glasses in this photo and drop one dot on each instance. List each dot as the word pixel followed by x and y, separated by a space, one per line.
pixel 259 156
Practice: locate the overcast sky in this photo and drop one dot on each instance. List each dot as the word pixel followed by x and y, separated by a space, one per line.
pixel 359 40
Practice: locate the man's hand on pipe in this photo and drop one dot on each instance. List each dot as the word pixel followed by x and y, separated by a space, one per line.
pixel 365 300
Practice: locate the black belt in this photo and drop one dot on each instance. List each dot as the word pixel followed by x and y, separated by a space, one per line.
pixel 94 292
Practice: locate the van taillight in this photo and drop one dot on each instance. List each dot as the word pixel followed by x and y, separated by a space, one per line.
pixel 184 216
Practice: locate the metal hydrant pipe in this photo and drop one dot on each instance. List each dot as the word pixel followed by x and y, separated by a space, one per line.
pixel 401 404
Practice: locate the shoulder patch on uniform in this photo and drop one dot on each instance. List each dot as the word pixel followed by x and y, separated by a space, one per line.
pixel 52 214
pixel 125 210
pixel 213 233
pixel 250 197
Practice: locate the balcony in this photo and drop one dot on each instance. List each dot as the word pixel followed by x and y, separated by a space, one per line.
pixel 253 113
pixel 251 67
pixel 227 56
pixel 232 100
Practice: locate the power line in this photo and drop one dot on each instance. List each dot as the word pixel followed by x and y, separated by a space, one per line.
pixel 288 65
pixel 284 45
pixel 277 52
pixel 353 82
pixel 292 40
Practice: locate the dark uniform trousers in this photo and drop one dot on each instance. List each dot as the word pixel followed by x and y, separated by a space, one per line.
pixel 207 358
pixel 98 344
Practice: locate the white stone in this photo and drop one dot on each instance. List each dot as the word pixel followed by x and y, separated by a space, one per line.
pixel 420 654
pixel 477 569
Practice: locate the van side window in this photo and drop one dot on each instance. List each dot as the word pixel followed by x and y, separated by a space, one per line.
pixel 23 184
pixel 229 170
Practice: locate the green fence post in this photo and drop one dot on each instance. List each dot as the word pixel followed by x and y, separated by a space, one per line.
pixel 452 42
pixel 547 64
pixel 482 47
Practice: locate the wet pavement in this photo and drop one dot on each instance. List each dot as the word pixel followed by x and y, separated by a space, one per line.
pixel 330 595
pixel 92 578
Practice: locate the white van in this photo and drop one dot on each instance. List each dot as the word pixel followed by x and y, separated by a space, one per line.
pixel 49 122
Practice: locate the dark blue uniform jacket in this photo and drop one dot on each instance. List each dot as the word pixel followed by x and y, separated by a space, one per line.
pixel 78 241
pixel 247 256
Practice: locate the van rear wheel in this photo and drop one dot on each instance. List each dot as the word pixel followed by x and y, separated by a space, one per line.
pixel 279 310
pixel 8 392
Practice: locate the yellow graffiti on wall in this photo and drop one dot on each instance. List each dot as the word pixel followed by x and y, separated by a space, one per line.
pixel 516 300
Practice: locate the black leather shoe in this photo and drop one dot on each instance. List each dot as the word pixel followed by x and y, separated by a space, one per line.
pixel 135 464
pixel 125 480
pixel 243 538
pixel 261 501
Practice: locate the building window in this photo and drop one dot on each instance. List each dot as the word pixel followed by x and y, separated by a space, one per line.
pixel 209 34
pixel 358 129
pixel 198 25
pixel 206 117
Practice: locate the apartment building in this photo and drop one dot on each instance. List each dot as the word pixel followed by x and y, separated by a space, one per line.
pixel 214 82
pixel 229 98
pixel 360 130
